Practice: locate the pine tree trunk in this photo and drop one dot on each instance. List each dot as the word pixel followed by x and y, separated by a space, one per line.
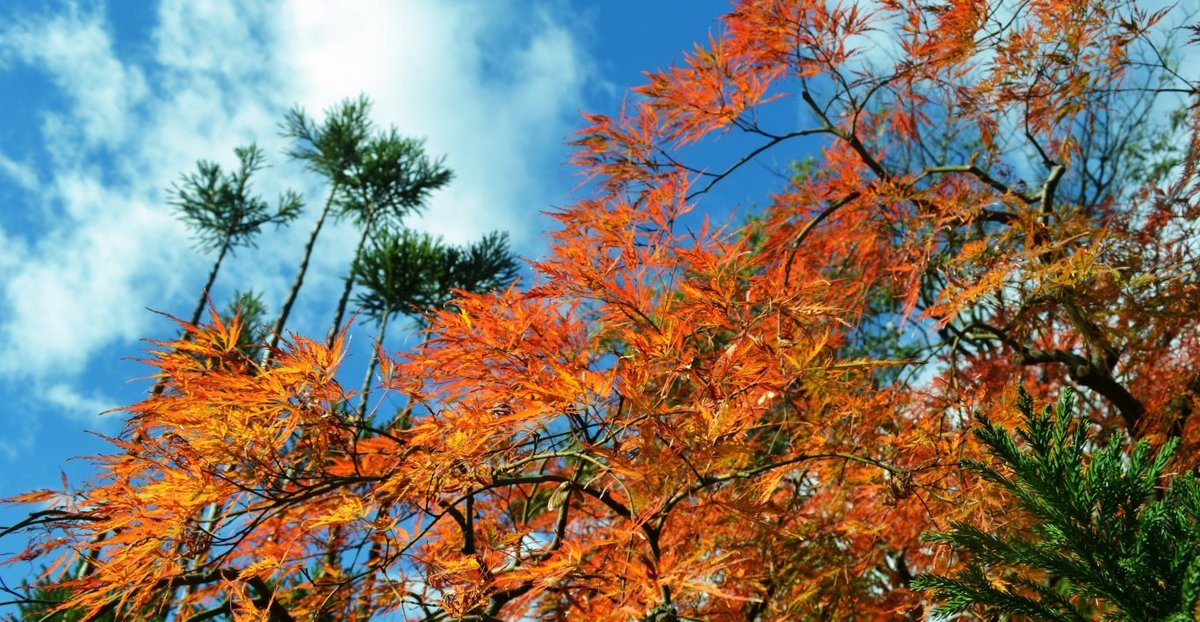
pixel 366 386
pixel 212 277
pixel 286 309
pixel 341 308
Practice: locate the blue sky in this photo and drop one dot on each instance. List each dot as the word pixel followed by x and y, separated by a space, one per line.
pixel 106 104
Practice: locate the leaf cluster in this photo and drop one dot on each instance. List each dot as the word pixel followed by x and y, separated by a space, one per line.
pixel 331 148
pixel 1107 528
pixel 219 207
pixel 393 178
pixel 248 308
pixel 411 272
pixel 372 173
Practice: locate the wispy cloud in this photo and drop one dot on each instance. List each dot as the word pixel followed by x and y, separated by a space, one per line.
pixel 75 50
pixel 20 173
pixel 12 447
pixel 494 86
pixel 75 404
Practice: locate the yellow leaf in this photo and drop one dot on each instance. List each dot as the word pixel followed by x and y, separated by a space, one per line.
pixel 267 563
pixel 771 483
pixel 350 509
pixel 559 496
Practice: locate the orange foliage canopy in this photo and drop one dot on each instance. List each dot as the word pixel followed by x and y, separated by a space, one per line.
pixel 680 419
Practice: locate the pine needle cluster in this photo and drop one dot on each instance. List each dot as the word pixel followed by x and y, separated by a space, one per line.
pixel 1110 531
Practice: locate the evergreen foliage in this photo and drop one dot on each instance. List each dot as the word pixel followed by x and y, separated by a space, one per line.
pixel 392 179
pixel 40 601
pixel 404 271
pixel 332 148
pixel 219 208
pixel 411 272
pixel 222 213
pixel 1108 530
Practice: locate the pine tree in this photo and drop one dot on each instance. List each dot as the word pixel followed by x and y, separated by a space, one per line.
pixel 331 149
pixel 1106 530
pixel 223 214
pixel 410 272
pixel 394 179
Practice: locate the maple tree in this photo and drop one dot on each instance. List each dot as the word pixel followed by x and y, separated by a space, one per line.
pixel 686 420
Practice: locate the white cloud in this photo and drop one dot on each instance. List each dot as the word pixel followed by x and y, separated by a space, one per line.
pixel 13 448
pixel 75 49
pixel 493 85
pixel 87 283
pixel 19 172
pixel 74 404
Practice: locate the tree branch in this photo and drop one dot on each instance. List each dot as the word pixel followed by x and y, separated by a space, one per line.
pixel 1086 373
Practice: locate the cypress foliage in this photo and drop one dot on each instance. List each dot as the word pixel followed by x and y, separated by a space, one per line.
pixel 1109 530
